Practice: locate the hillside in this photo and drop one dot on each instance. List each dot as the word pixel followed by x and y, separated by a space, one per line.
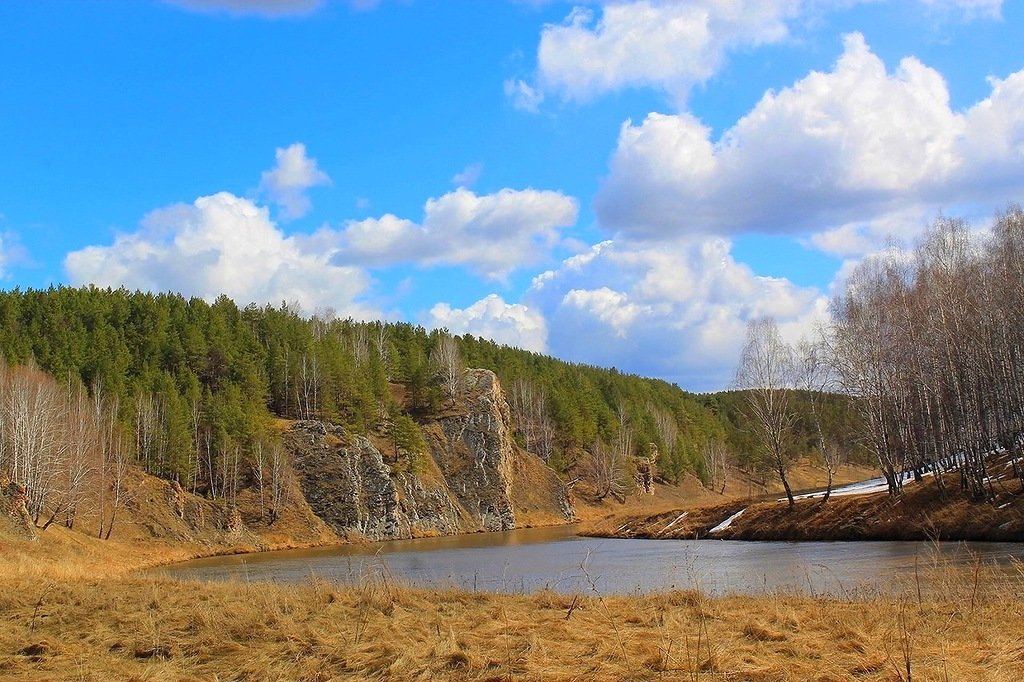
pixel 201 379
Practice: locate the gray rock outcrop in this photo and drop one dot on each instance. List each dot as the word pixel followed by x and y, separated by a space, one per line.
pixel 345 481
pixel 477 452
pixel 462 484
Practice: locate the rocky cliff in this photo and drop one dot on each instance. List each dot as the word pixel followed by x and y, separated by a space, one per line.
pixel 473 477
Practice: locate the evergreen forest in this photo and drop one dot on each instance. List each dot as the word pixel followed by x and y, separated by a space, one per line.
pixel 191 388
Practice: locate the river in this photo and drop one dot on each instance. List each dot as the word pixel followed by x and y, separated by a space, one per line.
pixel 556 558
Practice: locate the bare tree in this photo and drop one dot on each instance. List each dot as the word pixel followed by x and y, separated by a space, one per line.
pixel 36 446
pixel 259 467
pixel 359 342
pixel 716 464
pixel 321 321
pixel 149 429
pixel 529 405
pixel 624 441
pixel 765 375
pixel 195 462
pixel 113 465
pixel 814 376
pixel 308 390
pixel 447 362
pixel 606 471
pixel 668 430
pixel 383 347
pixel 6 424
pixel 929 342
pixel 278 480
pixel 80 460
pixel 866 349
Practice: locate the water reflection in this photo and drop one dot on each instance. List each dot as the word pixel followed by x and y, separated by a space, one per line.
pixel 555 558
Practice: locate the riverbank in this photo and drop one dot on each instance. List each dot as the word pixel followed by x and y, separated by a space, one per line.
pixel 75 626
pixel 922 512
pixel 72 609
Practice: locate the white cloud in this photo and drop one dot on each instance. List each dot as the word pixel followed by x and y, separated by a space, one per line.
pixel 669 45
pixel 265 8
pixel 673 45
pixel 859 238
pixel 492 234
pixel 469 175
pixel 222 244
pixel 676 310
pixel 846 147
pixel 612 308
pixel 512 324
pixel 287 182
pixel 993 143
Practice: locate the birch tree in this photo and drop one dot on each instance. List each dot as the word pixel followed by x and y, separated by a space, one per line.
pixel 448 365
pixel 765 375
pixel 813 376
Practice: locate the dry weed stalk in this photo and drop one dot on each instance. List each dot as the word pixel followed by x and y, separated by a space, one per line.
pixel 604 606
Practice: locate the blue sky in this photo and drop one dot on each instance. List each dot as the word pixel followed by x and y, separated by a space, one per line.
pixel 621 183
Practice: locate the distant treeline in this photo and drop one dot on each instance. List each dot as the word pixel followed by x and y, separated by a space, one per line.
pixel 195 384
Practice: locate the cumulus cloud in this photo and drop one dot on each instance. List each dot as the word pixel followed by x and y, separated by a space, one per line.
pixel 286 183
pixel 491 235
pixel 672 45
pixel 512 324
pixel 835 150
pixel 675 310
pixel 650 43
pixel 222 244
pixel 264 8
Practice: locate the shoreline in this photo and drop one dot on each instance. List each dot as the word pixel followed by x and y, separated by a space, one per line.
pixel 921 513
pixel 137 626
pixel 81 609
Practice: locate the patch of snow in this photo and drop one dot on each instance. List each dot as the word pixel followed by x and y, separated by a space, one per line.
pixel 725 524
pixel 872 485
pixel 677 520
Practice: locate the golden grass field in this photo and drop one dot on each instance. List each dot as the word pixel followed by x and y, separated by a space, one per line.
pixel 62 621
pixel 76 608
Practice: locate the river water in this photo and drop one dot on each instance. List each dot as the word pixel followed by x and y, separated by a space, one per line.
pixel 528 560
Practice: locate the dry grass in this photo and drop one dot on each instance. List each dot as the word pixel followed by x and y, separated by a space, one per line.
pixel 71 609
pixel 70 625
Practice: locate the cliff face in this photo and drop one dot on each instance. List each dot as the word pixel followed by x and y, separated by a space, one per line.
pixel 347 484
pixel 467 480
pixel 475 450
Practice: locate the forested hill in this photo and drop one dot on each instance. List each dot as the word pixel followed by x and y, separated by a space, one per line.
pixel 194 381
